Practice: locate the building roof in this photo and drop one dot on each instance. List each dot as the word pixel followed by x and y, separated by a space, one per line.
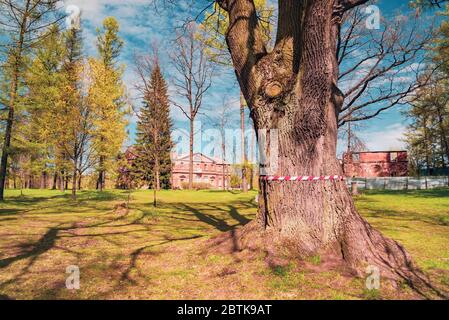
pixel 187 156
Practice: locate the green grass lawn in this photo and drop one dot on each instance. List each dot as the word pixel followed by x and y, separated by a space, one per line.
pixel 159 253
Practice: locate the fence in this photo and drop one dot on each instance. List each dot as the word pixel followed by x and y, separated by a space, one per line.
pixel 400 183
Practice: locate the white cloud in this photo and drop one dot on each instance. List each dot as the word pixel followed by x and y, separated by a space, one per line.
pixel 388 138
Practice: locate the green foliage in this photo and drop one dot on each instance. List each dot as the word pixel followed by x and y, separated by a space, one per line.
pixel 109 44
pixel 215 24
pixel 373 294
pixel 107 95
pixel 153 143
pixel 196 186
pixel 316 259
pixel 236 181
pixel 428 133
pixel 74 107
pixel 281 271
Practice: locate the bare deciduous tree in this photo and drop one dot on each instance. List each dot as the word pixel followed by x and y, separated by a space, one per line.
pixel 380 69
pixel 193 80
pixel 221 120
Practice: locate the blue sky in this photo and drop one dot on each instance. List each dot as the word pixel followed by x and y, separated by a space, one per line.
pixel 142 25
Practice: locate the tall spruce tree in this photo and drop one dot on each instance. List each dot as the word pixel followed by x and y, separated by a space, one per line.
pixel 153 163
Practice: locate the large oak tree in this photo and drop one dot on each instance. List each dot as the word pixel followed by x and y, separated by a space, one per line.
pixel 293 89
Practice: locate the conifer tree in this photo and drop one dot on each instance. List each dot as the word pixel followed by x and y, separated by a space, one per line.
pixel 109 46
pixel 43 81
pixel 22 23
pixel 153 163
pixel 70 119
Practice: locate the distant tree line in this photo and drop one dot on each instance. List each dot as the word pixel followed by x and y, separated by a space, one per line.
pixel 65 111
pixel 427 136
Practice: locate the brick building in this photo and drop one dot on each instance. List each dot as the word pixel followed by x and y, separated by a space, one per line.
pixel 375 164
pixel 205 170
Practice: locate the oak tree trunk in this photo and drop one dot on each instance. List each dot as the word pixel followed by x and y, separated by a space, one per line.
pixel 293 89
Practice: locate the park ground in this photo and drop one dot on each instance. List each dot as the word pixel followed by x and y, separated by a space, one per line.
pixel 147 253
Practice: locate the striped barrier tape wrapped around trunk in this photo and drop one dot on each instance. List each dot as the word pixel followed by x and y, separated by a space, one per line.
pixel 303 178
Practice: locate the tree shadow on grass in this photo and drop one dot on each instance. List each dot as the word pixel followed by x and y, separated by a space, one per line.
pixel 45 243
pixel 234 213
pixel 215 219
pixel 430 193
pixel 32 251
pixel 212 220
pixel 441 219
pixel 134 256
pixel 220 217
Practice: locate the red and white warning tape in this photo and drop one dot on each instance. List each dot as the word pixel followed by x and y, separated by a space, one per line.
pixel 303 178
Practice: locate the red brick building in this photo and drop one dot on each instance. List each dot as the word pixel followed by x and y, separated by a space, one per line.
pixel 205 170
pixel 375 164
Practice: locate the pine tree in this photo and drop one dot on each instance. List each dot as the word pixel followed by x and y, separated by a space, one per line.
pixel 153 163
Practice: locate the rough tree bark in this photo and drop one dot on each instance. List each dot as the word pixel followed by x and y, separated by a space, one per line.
pixel 293 89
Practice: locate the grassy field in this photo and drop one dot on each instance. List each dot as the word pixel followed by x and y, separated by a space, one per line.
pixel 159 253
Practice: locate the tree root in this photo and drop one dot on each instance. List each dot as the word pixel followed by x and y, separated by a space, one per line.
pixel 357 250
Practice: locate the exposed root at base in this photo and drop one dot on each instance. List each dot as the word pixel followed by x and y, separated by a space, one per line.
pixel 346 259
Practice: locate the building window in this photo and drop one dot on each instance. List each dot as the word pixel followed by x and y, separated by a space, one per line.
pixel 356 157
pixel 393 156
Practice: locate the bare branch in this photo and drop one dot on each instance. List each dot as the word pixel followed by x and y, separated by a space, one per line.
pixel 383 68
